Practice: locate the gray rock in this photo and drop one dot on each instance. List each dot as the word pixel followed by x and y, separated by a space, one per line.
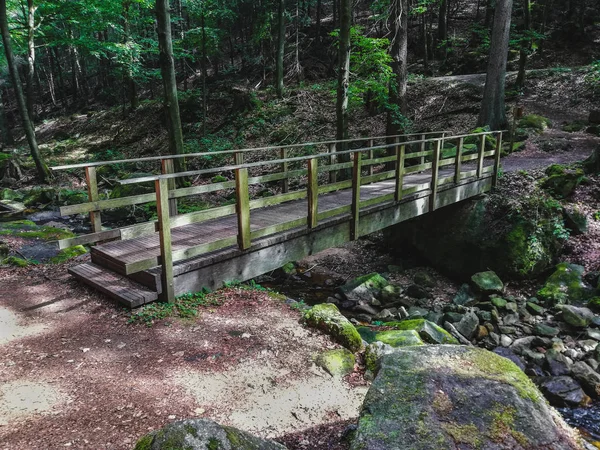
pixel 424 279
pixel 593 363
pixel 588 345
pixel 507 330
pixel 535 309
pixel 542 329
pixel 509 354
pixel 385 315
pixel 416 291
pixel 364 289
pixel 505 340
pixel 202 434
pixel 593 334
pixel 435 317
pixel 520 345
pixel 487 283
pixel 510 319
pixel 468 325
pixel 588 377
pixel 576 316
pixel 453 317
pixel 465 296
pixel 414 312
pixel 564 391
pixel 575 220
pixel 557 364
pixel 328 318
pixel 417 401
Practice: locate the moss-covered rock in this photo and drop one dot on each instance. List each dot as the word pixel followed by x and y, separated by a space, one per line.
pixel 428 331
pixel 562 185
pixel 399 338
pixel 594 304
pixel 577 317
pixel 337 363
pixel 327 317
pixel 446 397
pixel 535 122
pixel 39 196
pixel 487 283
pixel 576 220
pixel 203 434
pixel 566 285
pixel 9 194
pixel 15 261
pixel 364 289
pixel 68 253
pixel 29 230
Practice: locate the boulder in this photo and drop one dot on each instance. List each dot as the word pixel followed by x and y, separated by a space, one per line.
pixel 563 184
pixel 468 325
pixel 364 289
pixel 337 363
pixel 588 377
pixel 399 338
pixel 418 292
pixel 465 296
pixel 594 304
pixel 203 434
pixel 564 391
pixel 566 285
pixel 576 221
pixel 577 317
pixel 428 331
pixel 327 317
pixel 446 397
pixel 487 283
pixel 542 329
pixel 424 279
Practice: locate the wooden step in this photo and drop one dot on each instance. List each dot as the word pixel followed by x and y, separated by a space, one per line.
pixel 118 287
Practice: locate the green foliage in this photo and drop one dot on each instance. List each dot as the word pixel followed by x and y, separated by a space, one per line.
pixel 592 77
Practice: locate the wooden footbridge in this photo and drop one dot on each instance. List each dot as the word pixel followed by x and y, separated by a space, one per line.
pixel 327 193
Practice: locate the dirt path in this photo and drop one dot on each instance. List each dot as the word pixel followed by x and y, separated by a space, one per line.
pixel 74 373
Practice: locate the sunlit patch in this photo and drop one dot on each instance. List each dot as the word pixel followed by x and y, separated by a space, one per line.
pixel 11 328
pixel 20 399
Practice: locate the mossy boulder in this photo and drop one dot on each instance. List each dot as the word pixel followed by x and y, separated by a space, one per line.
pixel 27 229
pixel 594 304
pixel 487 283
pixel 328 318
pixel 39 196
pixel 576 316
pixel 67 254
pixel 428 331
pixel 203 434
pixel 566 285
pixel 576 220
pixel 535 122
pixel 15 261
pixel 446 397
pixel 562 185
pixel 337 363
pixel 364 289
pixel 72 197
pixel 129 190
pixel 399 338
pixel 490 232
pixel 9 194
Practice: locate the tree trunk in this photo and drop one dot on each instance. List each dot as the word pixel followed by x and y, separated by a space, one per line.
pixel 204 76
pixel 7 137
pixel 425 45
pixel 525 44
pixel 280 48
pixel 30 75
pixel 443 28
pixel 489 13
pixel 42 169
pixel 318 19
pixel 493 111
pixel 343 80
pixel 167 69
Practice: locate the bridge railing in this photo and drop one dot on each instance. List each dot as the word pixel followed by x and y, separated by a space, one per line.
pixel 96 204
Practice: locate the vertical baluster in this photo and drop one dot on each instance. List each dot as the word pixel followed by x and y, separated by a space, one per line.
pixel 164 230
pixel 285 183
pixel 458 165
pixel 497 157
pixel 400 154
pixel 92 186
pixel 435 175
pixel 167 167
pixel 423 148
pixel 242 207
pixel 371 155
pixel 332 161
pixel 356 180
pixel 313 192
pixel 480 156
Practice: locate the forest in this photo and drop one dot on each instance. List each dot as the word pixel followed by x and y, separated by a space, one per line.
pixel 309 224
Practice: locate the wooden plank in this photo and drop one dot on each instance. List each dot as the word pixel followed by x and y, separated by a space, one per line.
pixel 335 212
pixel 198 250
pixel 480 157
pixel 377 200
pixel 334 167
pixel 277 199
pixel 382 160
pixel 92 186
pixel 497 160
pixel 238 158
pixel 411 155
pixel 378 177
pixel 335 187
pixel 202 216
pixel 243 208
pixel 400 152
pixel 434 176
pixel 285 182
pixel 423 149
pixel 203 189
pixel 313 192
pixel 164 230
pixel 89 238
pixel 356 182
pixel 101 205
pixel 458 159
pixel 167 166
pixel 280 227
pixel 419 168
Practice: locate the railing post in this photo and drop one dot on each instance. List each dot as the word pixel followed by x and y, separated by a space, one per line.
pixel 332 161
pixel 356 180
pixel 164 230
pixel 167 167
pixel 400 153
pixel 371 154
pixel 92 186
pixel 238 158
pixel 423 148
pixel 458 166
pixel 480 156
pixel 497 159
pixel 313 192
pixel 285 183
pixel 435 175
pixel 242 206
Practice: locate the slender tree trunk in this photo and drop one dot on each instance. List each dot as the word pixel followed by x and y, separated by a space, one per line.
pixel 7 136
pixel 443 28
pixel 425 46
pixel 30 75
pixel 167 68
pixel 525 44
pixel 318 19
pixel 204 76
pixel 343 78
pixel 61 80
pixel 489 12
pixel 42 169
pixel 280 48
pixel 493 111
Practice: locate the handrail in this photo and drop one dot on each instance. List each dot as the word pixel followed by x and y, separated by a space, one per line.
pixel 227 152
pixel 293 159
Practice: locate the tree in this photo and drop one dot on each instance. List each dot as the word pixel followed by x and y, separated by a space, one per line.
pixel 280 48
pixel 343 72
pixel 41 166
pixel 399 53
pixel 167 69
pixel 525 44
pixel 493 111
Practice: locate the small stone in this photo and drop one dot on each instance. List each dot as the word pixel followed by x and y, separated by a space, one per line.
pixel 564 391
pixel 593 363
pixel 507 330
pixel 511 319
pixel 589 379
pixel 453 317
pixel 172 417
pixel 468 325
pixel 588 345
pixel 499 302
pixel 385 315
pixel 414 312
pixel 511 306
pixel 541 329
pixel 464 296
pixel 484 316
pixel 423 279
pixel 487 283
pixel 418 292
pixel 593 334
pixel 336 363
pixel 505 340
pixel 481 332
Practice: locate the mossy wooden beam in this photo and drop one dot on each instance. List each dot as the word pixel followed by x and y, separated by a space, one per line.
pixel 356 182
pixel 91 238
pixel 101 205
pixel 202 216
pixel 166 254
pixel 497 160
pixel 242 208
pixel 280 227
pixel 277 199
pixel 313 193
pixel 335 187
pixel 458 159
pixel 285 182
pixel 92 186
pixel 334 212
pixel 400 153
pixel 378 177
pixel 167 167
pixel 481 156
pixel 435 175
pixel 370 157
